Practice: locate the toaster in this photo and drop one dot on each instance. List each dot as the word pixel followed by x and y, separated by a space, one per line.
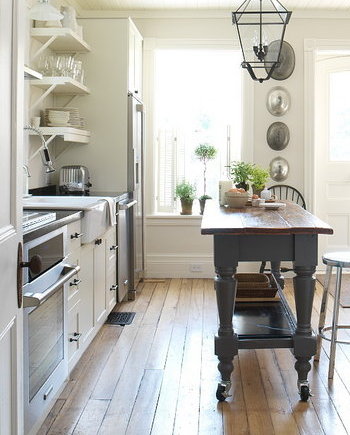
pixel 74 180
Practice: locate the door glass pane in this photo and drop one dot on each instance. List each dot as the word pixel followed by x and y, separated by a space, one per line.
pixel 339 116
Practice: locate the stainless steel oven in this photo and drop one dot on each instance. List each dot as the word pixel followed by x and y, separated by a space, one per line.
pixel 45 327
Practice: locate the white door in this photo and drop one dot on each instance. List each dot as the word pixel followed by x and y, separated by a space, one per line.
pixel 11 136
pixel 332 149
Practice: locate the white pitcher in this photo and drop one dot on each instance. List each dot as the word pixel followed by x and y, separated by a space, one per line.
pixel 266 194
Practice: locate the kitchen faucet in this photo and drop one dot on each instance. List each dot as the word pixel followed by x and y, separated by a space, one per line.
pixel 44 151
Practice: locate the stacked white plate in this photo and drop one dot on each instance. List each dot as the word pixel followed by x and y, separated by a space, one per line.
pixel 57 118
pixel 75 120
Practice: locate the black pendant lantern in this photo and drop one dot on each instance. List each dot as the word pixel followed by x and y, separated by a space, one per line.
pixel 261 25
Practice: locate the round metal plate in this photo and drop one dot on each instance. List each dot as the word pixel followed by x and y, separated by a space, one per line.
pixel 279 169
pixel 278 101
pixel 287 60
pixel 278 136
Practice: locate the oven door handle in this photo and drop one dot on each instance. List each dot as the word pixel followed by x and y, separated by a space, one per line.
pixel 36 299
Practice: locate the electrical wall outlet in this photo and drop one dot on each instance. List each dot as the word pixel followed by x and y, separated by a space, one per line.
pixel 196 267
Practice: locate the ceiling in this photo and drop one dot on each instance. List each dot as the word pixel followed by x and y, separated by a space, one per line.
pixel 118 5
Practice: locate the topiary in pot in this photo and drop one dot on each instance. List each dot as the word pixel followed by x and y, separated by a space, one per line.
pixel 205 152
pixel 187 193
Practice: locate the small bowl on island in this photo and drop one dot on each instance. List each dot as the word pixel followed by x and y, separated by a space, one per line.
pixel 236 198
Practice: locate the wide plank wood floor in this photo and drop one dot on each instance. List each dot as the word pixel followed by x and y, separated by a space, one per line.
pixel 158 376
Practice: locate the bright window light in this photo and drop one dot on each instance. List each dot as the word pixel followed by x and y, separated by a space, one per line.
pixel 198 99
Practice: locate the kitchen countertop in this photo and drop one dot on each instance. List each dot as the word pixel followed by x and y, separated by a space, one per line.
pixel 63 217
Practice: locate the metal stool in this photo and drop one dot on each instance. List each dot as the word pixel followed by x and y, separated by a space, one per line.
pixel 338 260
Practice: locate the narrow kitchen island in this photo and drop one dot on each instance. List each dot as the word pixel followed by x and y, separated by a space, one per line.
pixel 256 234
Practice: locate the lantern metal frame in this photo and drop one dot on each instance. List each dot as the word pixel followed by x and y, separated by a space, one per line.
pixel 260 49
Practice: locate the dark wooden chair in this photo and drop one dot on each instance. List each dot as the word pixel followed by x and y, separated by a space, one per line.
pixel 287 193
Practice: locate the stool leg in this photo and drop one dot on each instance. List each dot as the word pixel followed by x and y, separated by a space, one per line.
pixel 335 323
pixel 323 310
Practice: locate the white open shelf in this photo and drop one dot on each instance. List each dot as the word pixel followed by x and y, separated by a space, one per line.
pixel 61 85
pixel 69 134
pixel 60 39
pixel 31 74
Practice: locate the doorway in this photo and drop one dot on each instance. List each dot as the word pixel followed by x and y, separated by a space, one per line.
pixel 332 148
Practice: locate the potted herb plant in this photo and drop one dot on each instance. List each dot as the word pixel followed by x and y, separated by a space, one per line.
pixel 187 193
pixel 205 152
pixel 258 178
pixel 240 173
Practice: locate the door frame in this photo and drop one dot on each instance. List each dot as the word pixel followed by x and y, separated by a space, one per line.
pixel 311 48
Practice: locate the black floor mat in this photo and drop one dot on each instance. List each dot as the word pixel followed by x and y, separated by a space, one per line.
pixel 120 318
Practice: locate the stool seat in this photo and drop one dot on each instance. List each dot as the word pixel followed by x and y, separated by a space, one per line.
pixel 337 259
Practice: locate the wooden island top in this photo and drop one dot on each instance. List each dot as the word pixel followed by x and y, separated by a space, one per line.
pixel 292 219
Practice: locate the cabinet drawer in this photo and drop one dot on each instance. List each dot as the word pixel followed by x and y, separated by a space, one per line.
pixel 74 235
pixel 73 285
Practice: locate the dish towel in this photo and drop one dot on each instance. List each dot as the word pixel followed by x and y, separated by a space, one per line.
pixel 112 210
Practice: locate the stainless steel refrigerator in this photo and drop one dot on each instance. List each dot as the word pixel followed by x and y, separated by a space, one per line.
pixel 136 133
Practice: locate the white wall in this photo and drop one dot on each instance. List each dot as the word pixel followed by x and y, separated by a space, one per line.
pixel 171 248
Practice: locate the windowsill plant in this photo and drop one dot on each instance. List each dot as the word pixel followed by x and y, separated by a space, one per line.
pixel 205 152
pixel 186 192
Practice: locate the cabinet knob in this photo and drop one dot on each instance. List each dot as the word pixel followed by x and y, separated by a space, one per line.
pixel 113 248
pixel 76 235
pixel 75 282
pixel 113 287
pixel 98 241
pixel 76 337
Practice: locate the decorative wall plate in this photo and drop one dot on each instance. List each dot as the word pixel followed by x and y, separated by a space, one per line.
pixel 287 60
pixel 279 169
pixel 278 101
pixel 278 136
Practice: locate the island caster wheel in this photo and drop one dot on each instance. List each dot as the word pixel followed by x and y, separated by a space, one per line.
pixel 304 393
pixel 222 391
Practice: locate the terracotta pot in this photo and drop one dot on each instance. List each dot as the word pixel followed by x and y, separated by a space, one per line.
pixel 257 191
pixel 186 206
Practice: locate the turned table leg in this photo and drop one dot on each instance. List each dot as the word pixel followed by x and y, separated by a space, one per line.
pixel 226 342
pixel 304 340
pixel 276 272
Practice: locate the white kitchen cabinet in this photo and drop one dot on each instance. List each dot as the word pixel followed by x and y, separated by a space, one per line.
pixel 86 293
pixel 74 335
pixel 99 281
pixel 92 292
pixel 111 268
pixel 113 69
pixel 135 61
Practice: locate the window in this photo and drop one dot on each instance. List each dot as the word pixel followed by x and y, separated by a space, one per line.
pixel 197 100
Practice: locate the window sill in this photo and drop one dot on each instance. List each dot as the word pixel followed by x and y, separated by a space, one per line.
pixel 173 220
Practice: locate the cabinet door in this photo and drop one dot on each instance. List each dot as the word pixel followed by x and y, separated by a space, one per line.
pixel 86 291
pixel 111 268
pixel 138 64
pixel 99 280
pixel 135 61
pixel 74 335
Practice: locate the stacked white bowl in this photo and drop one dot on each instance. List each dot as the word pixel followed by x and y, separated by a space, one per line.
pixel 58 118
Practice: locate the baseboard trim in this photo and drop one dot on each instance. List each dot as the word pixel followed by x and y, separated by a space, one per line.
pixel 189 266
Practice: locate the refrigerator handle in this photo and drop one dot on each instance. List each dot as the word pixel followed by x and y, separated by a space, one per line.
pixel 127 205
